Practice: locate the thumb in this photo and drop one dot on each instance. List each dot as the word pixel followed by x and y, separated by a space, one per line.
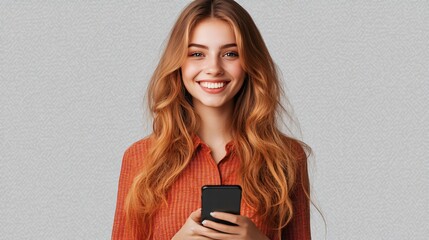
pixel 196 215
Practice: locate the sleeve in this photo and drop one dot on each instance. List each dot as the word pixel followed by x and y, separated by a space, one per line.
pixel 125 181
pixel 299 227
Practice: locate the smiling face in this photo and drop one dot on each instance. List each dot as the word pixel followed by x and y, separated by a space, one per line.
pixel 212 72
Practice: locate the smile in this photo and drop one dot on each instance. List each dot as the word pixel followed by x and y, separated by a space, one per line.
pixel 212 85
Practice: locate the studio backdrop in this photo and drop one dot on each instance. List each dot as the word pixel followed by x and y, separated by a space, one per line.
pixel 73 76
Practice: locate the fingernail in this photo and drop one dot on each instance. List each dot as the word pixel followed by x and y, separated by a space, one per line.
pixel 212 214
pixel 204 222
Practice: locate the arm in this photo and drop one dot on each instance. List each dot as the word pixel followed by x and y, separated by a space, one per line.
pixel 299 227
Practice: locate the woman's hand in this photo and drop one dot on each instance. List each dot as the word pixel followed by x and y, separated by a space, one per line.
pixel 246 229
pixel 192 227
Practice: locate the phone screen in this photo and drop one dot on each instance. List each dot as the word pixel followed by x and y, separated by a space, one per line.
pixel 220 198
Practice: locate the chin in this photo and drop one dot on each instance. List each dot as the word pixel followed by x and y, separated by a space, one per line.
pixel 213 105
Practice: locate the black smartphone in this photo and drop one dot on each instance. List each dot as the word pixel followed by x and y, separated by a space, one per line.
pixel 220 198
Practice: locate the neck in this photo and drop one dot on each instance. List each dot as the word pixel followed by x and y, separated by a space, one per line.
pixel 215 127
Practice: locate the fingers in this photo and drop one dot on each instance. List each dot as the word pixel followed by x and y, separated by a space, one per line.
pixel 205 231
pixel 244 229
pixel 232 218
pixel 201 232
pixel 226 229
pixel 191 228
pixel 221 227
pixel 196 215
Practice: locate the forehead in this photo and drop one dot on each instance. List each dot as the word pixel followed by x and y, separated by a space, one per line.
pixel 212 32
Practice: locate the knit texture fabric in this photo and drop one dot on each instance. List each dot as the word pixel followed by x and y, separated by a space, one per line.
pixel 184 196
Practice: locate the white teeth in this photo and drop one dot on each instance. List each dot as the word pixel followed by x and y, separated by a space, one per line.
pixel 212 85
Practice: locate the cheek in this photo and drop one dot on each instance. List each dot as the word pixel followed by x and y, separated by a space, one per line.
pixel 237 71
pixel 189 71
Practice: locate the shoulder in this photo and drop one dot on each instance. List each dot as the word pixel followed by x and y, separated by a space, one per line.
pixel 137 152
pixel 299 151
pixel 140 146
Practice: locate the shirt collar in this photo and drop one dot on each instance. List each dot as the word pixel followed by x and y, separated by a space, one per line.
pixel 230 146
pixel 197 141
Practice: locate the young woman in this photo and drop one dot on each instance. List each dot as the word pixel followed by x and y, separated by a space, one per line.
pixel 214 98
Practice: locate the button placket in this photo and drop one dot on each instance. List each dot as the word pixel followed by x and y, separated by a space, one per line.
pixel 214 168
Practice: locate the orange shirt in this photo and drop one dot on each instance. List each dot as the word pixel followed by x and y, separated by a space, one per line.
pixel 184 196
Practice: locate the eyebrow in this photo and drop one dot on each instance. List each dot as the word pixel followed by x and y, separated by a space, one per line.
pixel 205 47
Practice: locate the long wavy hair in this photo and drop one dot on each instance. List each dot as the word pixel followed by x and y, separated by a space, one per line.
pixel 269 158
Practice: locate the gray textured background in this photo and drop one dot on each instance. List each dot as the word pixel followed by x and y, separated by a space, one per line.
pixel 73 76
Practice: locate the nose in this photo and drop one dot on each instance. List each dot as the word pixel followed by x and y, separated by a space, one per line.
pixel 214 66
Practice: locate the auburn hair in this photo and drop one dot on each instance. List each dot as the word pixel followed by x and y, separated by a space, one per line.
pixel 269 158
